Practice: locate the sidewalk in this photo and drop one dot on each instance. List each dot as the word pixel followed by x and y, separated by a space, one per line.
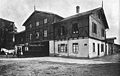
pixel 58 59
pixel 102 60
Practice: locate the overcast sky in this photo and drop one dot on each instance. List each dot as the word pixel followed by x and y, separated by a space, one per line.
pixel 19 10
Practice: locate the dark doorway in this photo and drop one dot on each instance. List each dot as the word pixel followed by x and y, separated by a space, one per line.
pixel 98 49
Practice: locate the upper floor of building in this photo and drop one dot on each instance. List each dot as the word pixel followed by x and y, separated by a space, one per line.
pixel 92 24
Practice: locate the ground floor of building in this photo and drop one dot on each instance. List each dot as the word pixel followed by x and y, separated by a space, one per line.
pixel 83 48
pixel 86 48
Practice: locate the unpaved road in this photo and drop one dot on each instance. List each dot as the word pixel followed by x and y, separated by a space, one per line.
pixel 36 67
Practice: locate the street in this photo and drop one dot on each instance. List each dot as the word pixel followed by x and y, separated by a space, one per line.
pixel 54 66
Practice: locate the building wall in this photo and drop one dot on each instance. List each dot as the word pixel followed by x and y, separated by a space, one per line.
pixel 40 17
pixel 20 38
pixel 100 26
pixel 83 47
pixel 68 28
pixel 95 54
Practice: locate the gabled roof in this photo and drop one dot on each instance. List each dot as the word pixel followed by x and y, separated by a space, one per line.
pixel 6 20
pixel 36 11
pixel 88 13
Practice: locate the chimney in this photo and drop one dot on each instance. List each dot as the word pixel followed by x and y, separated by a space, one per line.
pixel 77 9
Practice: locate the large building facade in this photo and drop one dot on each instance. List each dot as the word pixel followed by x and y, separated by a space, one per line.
pixel 39 31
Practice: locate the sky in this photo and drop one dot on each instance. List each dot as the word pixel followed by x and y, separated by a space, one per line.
pixel 19 10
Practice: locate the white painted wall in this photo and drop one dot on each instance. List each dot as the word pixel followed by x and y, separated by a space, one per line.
pixel 95 54
pixel 107 48
pixel 83 50
pixel 51 47
pixel 100 26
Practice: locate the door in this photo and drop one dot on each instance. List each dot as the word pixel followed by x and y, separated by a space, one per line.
pixel 98 49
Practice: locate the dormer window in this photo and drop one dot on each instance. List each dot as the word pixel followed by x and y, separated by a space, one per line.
pixel 45 20
pixel 75 28
pixel 37 23
pixel 94 28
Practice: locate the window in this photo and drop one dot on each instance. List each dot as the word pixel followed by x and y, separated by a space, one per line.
pixel 75 48
pixel 75 28
pixel 45 33
pixel 37 23
pixel 102 47
pixel 30 36
pixel 102 32
pixel 99 16
pixel 94 28
pixel 93 47
pixel 37 35
pixel 45 20
pixel 30 25
pixel 62 48
pixel 61 30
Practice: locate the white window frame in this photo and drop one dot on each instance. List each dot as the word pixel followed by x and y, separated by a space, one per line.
pixel 45 33
pixel 62 48
pixel 75 48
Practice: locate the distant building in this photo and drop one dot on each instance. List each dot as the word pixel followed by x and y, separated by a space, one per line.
pixel 7 31
pixel 111 46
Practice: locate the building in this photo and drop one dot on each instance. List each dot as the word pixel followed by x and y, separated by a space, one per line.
pixel 81 35
pixel 39 31
pixel 112 48
pixel 20 42
pixel 7 31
